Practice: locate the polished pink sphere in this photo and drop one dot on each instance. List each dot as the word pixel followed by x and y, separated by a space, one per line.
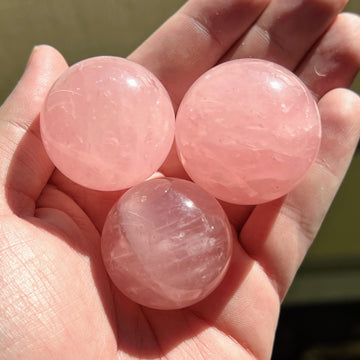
pixel 107 123
pixel 247 131
pixel 166 243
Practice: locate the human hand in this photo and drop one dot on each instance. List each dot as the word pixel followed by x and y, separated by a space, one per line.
pixel 56 301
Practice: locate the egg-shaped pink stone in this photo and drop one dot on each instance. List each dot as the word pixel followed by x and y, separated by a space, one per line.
pixel 107 123
pixel 247 131
pixel 166 243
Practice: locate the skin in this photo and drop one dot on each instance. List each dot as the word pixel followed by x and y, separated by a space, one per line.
pixel 56 301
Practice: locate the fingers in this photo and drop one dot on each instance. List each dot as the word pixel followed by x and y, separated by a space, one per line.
pixel 289 225
pixel 282 32
pixel 287 30
pixel 335 61
pixel 25 167
pixel 194 39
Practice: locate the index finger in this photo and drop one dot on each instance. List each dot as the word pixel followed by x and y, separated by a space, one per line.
pixel 194 39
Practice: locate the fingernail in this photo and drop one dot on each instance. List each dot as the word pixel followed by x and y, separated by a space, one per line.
pixel 31 57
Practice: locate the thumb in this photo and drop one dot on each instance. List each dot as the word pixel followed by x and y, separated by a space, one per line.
pixel 24 165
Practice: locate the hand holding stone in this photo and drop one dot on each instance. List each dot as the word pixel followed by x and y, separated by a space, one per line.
pixel 50 255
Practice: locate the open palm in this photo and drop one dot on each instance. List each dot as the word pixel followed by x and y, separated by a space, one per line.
pixel 56 301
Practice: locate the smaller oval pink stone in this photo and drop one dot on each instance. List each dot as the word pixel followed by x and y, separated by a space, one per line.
pixel 107 123
pixel 247 131
pixel 166 243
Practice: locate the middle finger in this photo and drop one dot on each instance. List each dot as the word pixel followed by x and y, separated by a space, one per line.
pixel 287 30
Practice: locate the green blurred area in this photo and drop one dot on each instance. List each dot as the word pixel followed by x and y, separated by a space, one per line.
pixel 84 28
pixel 340 233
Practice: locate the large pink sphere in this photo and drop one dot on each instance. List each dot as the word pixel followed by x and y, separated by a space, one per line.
pixel 247 131
pixel 107 123
pixel 166 243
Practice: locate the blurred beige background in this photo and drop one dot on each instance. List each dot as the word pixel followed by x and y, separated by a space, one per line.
pixel 77 28
pixel 84 28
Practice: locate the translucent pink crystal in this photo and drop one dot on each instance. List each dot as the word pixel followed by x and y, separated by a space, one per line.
pixel 247 131
pixel 107 123
pixel 166 243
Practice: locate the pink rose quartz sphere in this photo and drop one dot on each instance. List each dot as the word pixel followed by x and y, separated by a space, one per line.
pixel 166 243
pixel 107 123
pixel 247 131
